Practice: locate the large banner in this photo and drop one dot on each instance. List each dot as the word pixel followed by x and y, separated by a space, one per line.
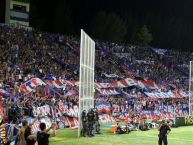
pixel 68 115
pixel 170 94
pixel 103 107
pixel 58 84
pixel 61 113
pixel 106 89
pixel 108 92
pixel 31 84
pixel 56 111
pixel 121 84
pixel 127 83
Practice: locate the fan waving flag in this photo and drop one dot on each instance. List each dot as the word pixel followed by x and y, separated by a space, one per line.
pixel 31 84
pixel 4 93
pixel 56 84
pixel 71 92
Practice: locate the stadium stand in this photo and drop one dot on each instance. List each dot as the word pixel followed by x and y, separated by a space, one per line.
pixel 131 81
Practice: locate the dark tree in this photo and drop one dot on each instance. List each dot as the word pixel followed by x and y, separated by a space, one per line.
pixel 143 36
pixel 170 22
pixel 108 26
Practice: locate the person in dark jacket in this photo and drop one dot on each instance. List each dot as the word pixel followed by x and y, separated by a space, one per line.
pixel 43 135
pixel 163 132
pixel 29 137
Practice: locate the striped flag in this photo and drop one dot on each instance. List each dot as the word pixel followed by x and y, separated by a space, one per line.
pixel 56 84
pixel 35 127
pixel 30 85
pixel 4 93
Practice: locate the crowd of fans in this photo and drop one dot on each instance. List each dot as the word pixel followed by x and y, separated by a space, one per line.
pixel 27 53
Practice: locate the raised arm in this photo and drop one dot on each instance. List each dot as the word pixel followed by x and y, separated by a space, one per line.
pixel 31 137
pixel 34 121
pixel 54 130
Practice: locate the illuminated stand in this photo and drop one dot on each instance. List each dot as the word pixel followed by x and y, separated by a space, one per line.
pixel 17 12
pixel 86 76
pixel 191 89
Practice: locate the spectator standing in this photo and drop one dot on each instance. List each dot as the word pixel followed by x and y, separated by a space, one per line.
pixel 29 137
pixel 21 133
pixel 43 135
pixel 163 132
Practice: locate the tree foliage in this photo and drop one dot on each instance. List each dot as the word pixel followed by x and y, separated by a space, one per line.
pixel 143 36
pixel 120 21
pixel 108 26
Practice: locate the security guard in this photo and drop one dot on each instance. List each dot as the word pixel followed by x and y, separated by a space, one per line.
pixel 163 132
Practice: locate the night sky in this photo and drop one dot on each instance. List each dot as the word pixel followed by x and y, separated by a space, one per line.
pixel 84 10
pixel 170 21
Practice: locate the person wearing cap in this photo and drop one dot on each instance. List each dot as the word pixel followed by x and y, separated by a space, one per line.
pixel 164 130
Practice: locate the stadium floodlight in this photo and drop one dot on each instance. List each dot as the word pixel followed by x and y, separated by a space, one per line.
pixel 86 75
